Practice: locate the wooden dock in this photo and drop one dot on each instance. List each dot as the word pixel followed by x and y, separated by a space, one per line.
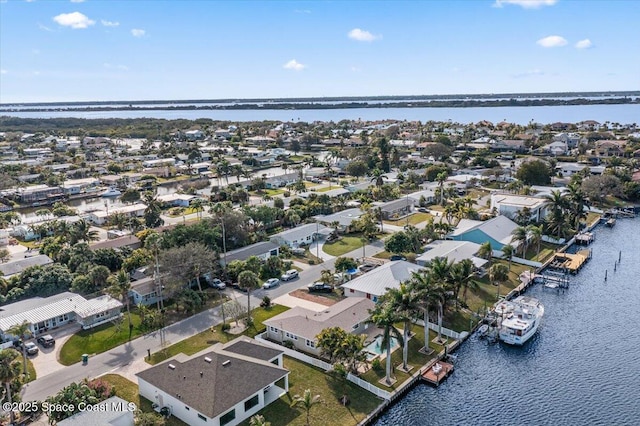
pixel 437 373
pixel 570 262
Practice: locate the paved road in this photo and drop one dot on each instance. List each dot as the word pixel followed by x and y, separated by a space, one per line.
pixel 120 357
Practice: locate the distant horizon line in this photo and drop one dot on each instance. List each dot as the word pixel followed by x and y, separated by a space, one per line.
pixel 338 98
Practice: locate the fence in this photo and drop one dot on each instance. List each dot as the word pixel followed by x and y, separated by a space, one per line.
pixel 325 366
pixel 445 331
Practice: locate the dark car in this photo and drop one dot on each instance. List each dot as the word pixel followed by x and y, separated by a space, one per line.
pixel 46 341
pixel 397 257
pixel 320 287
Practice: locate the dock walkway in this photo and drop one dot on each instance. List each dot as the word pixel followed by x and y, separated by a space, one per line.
pixel 437 373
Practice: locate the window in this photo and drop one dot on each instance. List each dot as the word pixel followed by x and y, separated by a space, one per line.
pixel 355 326
pixel 226 418
pixel 251 402
pixel 201 417
pixel 351 290
pixel 187 408
pixel 290 336
pixel 311 343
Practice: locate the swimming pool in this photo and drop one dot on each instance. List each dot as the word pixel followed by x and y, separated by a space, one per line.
pixel 375 348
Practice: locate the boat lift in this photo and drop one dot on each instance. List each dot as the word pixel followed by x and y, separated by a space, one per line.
pixel 554 279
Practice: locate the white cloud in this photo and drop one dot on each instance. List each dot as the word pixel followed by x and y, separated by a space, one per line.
pixel 77 1
pixel 294 65
pixel 362 35
pixel 44 28
pixel 137 32
pixel 584 44
pixel 106 23
pixel 552 41
pixel 75 20
pixel 526 4
pixel 3 71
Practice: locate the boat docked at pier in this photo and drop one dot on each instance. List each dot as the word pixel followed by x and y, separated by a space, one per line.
pixel 519 319
pixel 111 192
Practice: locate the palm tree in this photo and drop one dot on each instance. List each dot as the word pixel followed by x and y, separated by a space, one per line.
pixel 153 210
pixel 307 401
pixel 404 301
pixel 521 236
pixel 440 269
pixel 378 177
pixel 556 203
pixel 441 178
pixel 22 331
pixel 498 273
pixel 508 252
pixel 248 280
pixel 258 420
pixel 462 277
pixel 384 316
pixel 486 251
pixel 120 287
pixel 426 289
pixel 535 236
pixel 197 206
pixel 9 372
pixel 81 231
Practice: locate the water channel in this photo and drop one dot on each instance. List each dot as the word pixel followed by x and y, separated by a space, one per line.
pixel 581 368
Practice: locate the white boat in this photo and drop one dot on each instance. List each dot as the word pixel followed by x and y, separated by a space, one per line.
pixel 111 192
pixel 519 324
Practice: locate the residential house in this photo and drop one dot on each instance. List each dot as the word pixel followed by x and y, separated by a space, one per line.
pixel 39 194
pixel 345 218
pixel 260 140
pixel 300 326
pixel 144 292
pixel 301 236
pixel 571 139
pixel 100 217
pixel 498 231
pixel 113 411
pixel 556 148
pixel 223 385
pixel 609 148
pixel 375 283
pixel 80 186
pixel 508 145
pixel 397 208
pixel 16 267
pixel 281 180
pixel 129 241
pixel 46 313
pixel 176 200
pixel 453 251
pixel 262 250
pixel 193 135
pixel 510 204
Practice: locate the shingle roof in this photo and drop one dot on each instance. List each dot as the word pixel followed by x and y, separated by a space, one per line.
pixel 308 324
pixel 389 275
pixel 214 387
pixel 128 241
pixel 243 346
pixel 499 228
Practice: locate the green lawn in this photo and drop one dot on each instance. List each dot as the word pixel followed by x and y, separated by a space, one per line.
pixel 485 295
pixel 31 370
pixel 414 219
pixel 342 246
pixel 330 411
pixel 328 188
pixel 415 359
pixel 546 251
pixel 128 391
pixel 383 255
pixel 99 339
pixel 592 217
pixel 207 338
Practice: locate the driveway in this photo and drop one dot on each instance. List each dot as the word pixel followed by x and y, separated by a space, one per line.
pixel 46 362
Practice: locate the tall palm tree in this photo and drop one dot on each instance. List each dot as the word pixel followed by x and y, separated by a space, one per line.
pixel 248 280
pixel 535 236
pixel 427 290
pixel 120 287
pixel 404 301
pixel 22 332
pixel 378 177
pixel 441 178
pixel 462 277
pixel 556 203
pixel 384 316
pixel 508 252
pixel 521 236
pixel 81 231
pixel 9 372
pixel 440 269
pixel 307 401
pixel 486 251
pixel 498 273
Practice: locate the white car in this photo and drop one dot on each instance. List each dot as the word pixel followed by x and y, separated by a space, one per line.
pixel 291 274
pixel 217 283
pixel 271 283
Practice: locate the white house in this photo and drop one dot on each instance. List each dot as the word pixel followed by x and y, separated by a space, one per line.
pixel 222 385
pixel 344 218
pixel 262 250
pixel 454 251
pixel 510 204
pixel 375 283
pixel 100 217
pixel 113 411
pixel 9 269
pixel 301 236
pixel 176 200
pixel 301 325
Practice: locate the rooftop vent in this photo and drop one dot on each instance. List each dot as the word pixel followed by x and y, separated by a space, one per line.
pixel 172 367
pixel 227 362
pixel 207 359
pixel 201 374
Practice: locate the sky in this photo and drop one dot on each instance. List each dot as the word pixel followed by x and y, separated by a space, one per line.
pixel 108 50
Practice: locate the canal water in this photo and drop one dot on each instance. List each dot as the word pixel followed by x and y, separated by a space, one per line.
pixel 582 367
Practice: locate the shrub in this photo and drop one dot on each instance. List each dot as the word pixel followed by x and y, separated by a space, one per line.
pixel 226 327
pixel 288 344
pixel 266 302
pixel 377 365
pixel 312 262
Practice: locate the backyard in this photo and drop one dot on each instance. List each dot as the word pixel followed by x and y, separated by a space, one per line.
pixel 414 219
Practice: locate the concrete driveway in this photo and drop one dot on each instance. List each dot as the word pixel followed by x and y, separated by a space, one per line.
pixel 46 362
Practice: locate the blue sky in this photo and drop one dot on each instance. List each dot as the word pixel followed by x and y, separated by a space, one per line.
pixel 76 50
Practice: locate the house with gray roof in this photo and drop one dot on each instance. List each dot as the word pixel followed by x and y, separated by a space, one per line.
pixel 262 250
pixel 301 235
pixel 498 231
pixel 397 208
pixel 344 218
pixel 222 385
pixel 375 283
pixel 144 292
pixel 453 251
pixel 17 266
pixel 301 326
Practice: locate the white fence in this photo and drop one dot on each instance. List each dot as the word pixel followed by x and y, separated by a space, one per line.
pixel 445 331
pixel 325 366
pixel 526 262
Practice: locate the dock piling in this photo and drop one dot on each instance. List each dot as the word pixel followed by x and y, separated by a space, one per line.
pixel 620 256
pixel 605 274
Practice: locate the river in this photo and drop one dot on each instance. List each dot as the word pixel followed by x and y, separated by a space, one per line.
pixel 581 368
pixel 625 114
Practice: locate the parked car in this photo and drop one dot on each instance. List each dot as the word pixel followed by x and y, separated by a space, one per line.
pixel 423 210
pixel 31 348
pixel 291 274
pixel 217 283
pixel 367 267
pixel 319 286
pixel 298 251
pixel 46 341
pixel 397 257
pixel 237 287
pixel 271 283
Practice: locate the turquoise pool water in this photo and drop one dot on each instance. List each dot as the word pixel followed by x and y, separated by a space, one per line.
pixel 375 348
